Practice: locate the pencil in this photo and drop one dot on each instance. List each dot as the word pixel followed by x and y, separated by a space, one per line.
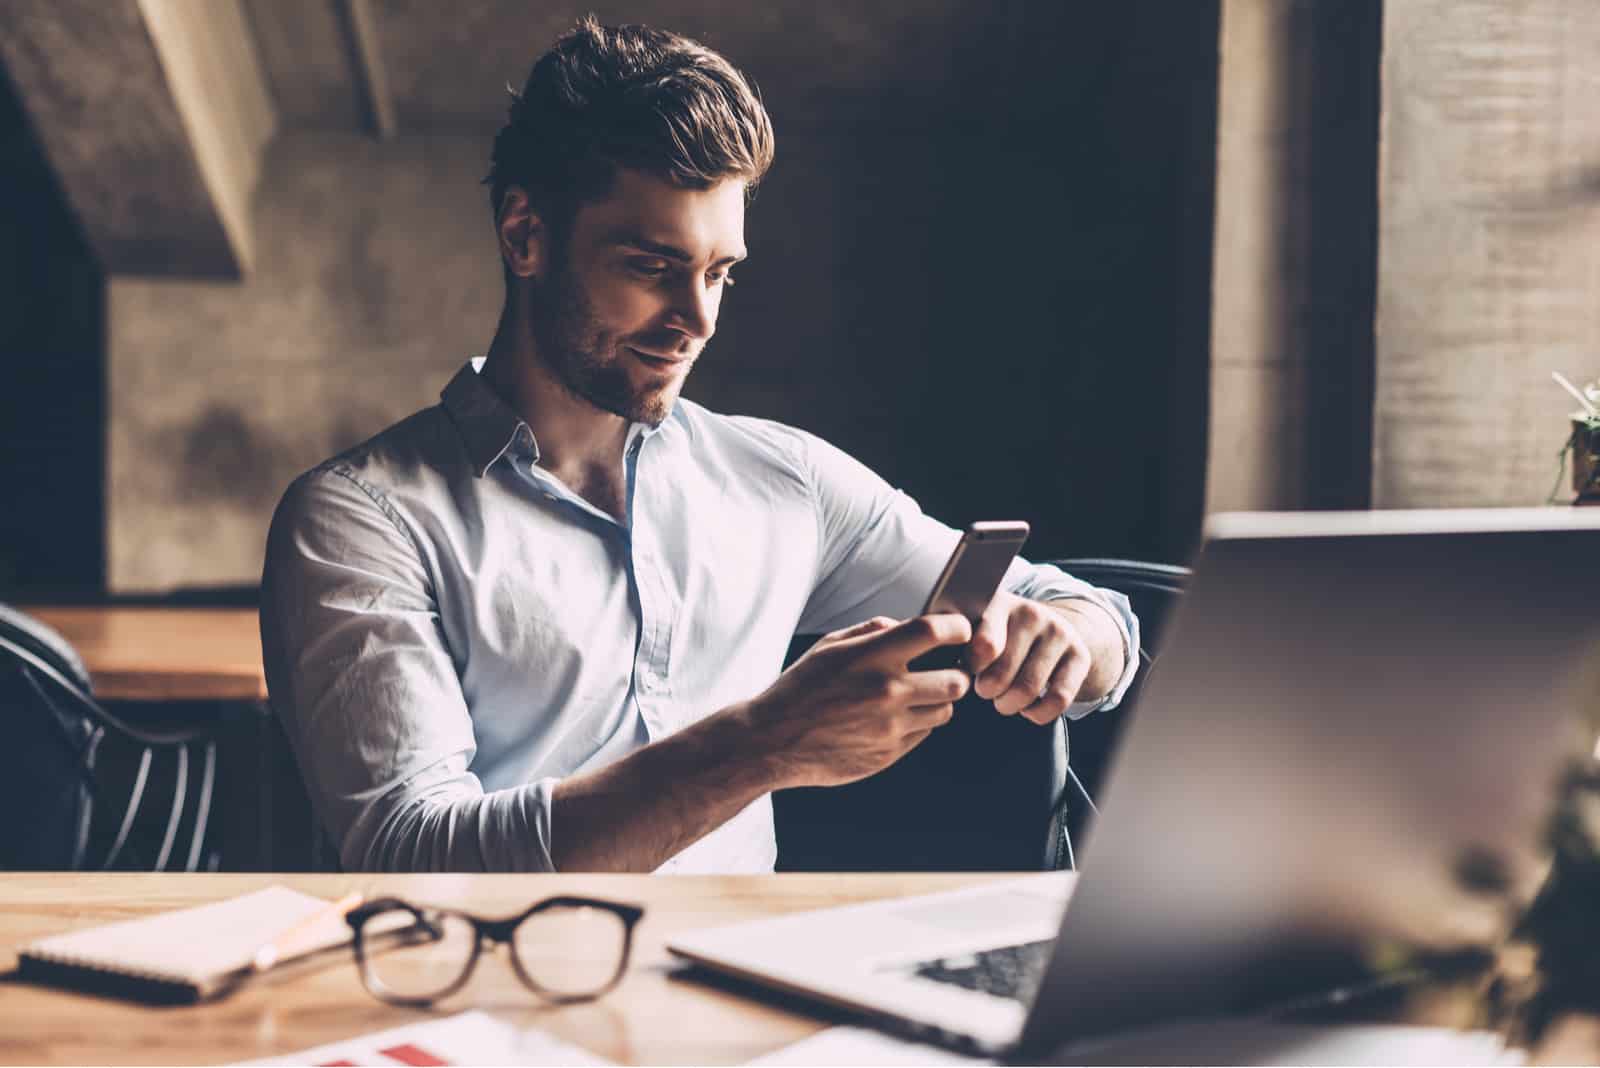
pixel 283 943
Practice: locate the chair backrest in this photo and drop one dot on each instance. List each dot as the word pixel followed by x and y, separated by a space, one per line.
pixel 41 640
pixel 76 776
pixel 47 744
pixel 978 794
pixel 1090 743
pixel 974 796
pixel 299 842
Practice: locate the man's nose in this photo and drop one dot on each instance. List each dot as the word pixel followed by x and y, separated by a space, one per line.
pixel 694 309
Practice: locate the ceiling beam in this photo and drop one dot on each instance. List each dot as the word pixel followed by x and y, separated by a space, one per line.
pixel 153 116
pixel 366 60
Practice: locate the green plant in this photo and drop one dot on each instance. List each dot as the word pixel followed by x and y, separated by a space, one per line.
pixel 1549 964
pixel 1583 443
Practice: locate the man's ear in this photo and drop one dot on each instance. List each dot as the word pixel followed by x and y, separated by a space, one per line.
pixel 524 239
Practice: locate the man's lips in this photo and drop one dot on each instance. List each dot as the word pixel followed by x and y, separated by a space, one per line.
pixel 655 360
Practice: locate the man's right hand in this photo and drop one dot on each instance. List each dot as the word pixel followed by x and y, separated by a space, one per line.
pixel 850 706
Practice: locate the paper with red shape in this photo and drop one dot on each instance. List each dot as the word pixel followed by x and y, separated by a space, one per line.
pixel 466 1038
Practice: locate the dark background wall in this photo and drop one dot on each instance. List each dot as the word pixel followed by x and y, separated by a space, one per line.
pixel 981 264
pixel 1000 304
pixel 52 379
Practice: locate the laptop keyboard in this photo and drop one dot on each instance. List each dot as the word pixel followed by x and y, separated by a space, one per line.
pixel 1007 972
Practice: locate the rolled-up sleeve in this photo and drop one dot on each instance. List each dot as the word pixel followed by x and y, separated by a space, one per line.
pixel 879 554
pixel 366 689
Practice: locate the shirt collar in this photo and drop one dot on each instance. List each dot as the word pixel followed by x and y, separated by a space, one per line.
pixel 489 427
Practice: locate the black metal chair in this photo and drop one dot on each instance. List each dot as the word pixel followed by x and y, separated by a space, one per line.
pixel 1088 745
pixel 79 775
pixel 984 792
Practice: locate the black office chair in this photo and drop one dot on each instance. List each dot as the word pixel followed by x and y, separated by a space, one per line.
pixel 982 793
pixel 1088 745
pixel 79 776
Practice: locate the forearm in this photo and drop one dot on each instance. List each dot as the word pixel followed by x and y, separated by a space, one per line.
pixel 635 814
pixel 1107 655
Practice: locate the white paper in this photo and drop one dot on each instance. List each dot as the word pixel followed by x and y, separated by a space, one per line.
pixel 465 1038
pixel 860 1045
pixel 1260 1042
pixel 1209 1042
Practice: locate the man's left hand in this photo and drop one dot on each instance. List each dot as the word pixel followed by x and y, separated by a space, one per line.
pixel 1037 658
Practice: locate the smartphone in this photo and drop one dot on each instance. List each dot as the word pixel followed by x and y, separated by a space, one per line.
pixel 969 581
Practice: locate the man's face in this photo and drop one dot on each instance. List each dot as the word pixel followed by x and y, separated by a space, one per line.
pixel 631 296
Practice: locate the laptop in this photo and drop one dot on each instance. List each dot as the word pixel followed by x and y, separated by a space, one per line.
pixel 1346 754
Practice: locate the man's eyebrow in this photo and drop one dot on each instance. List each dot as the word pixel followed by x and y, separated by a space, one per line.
pixel 636 240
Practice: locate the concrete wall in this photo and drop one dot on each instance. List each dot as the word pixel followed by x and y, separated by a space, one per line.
pixel 209 60
pixel 141 170
pixel 989 295
pixel 375 276
pixel 981 264
pixel 1489 267
pixel 1292 319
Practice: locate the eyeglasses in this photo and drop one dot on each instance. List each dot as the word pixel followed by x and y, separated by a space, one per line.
pixel 563 948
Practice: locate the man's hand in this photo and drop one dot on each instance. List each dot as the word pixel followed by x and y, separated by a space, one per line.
pixel 850 706
pixel 846 709
pixel 1037 658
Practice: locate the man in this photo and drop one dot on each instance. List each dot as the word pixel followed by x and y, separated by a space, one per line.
pixel 538 625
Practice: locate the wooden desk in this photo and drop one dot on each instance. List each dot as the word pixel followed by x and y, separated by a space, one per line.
pixel 650 1018
pixel 165 654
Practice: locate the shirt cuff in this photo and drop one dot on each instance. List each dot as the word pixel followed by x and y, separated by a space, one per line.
pixel 1120 611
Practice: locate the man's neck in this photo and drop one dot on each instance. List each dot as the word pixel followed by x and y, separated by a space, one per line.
pixel 576 439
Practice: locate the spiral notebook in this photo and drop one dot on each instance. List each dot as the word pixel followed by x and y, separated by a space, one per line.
pixel 185 955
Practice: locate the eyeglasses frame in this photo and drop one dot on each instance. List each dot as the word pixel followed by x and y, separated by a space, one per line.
pixel 499 931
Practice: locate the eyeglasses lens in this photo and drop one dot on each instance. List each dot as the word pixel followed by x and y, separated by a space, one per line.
pixel 571 951
pixel 412 959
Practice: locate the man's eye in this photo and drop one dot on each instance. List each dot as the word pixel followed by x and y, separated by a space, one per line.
pixel 647 268
pixel 720 278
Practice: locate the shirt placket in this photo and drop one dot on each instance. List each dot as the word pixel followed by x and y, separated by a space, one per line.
pixel 657 612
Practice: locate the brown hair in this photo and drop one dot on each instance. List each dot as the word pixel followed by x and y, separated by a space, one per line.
pixel 606 97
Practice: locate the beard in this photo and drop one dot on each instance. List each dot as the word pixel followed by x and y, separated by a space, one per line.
pixel 588 360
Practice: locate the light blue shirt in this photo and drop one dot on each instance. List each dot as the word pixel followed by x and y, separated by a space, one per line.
pixel 449 630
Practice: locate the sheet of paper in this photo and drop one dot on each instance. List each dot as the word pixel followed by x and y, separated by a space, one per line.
pixel 1219 1042
pixel 1260 1042
pixel 465 1038
pixel 861 1045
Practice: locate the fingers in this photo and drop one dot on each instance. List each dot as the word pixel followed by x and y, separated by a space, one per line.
pixel 989 639
pixel 1065 683
pixel 865 627
pixel 928 721
pixel 1032 675
pixel 906 641
pixel 1001 674
pixel 936 687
